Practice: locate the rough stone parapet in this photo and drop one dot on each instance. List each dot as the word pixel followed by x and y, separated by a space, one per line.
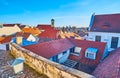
pixel 45 66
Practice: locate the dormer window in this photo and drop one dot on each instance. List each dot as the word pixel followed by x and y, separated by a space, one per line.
pixel 91 53
pixel 75 50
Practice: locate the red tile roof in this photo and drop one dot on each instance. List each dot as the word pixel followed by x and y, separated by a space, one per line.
pixel 6 39
pixel 34 31
pixel 10 25
pixel 44 26
pixel 110 67
pixel 25 35
pixel 54 47
pixel 50 48
pixel 19 33
pixel 49 32
pixel 82 34
pixel 106 23
pixel 21 26
pixel 84 44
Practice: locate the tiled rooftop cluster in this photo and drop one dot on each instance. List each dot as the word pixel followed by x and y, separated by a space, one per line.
pixel 51 41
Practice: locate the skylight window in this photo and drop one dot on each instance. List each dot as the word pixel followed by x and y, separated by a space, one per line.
pixel 91 53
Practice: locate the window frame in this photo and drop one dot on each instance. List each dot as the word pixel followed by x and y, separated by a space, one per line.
pixel 64 52
pixel 114 42
pixel 79 51
pixel 98 38
pixel 87 52
pixel 94 55
pixel 72 51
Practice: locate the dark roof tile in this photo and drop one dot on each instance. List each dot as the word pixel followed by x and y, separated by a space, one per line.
pixel 50 48
pixel 84 44
pixel 106 23
pixel 6 39
pixel 110 67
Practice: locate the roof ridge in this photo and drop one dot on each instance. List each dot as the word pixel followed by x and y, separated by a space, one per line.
pixel 108 14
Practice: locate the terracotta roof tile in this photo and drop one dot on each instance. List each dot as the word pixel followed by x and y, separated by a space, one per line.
pixel 84 44
pixel 10 25
pixel 6 39
pixel 50 48
pixel 21 26
pixel 18 33
pixel 82 34
pixel 25 35
pixel 34 31
pixel 110 67
pixel 44 26
pixel 106 23
pixel 1 38
pixel 49 32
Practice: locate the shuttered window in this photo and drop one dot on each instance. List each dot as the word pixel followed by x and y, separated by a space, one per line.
pixel 114 42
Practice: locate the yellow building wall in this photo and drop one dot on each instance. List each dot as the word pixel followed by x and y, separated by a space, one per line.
pixel 19 40
pixel 9 30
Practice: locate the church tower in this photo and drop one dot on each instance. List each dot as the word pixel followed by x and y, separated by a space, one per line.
pixel 52 22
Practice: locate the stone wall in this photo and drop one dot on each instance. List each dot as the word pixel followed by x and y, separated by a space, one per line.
pixel 45 66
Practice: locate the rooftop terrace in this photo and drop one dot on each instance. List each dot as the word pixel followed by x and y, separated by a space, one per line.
pixel 6 71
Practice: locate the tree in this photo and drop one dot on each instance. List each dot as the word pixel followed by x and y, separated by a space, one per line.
pixel 63 29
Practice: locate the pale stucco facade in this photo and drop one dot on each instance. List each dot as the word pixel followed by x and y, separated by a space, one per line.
pixel 9 30
pixel 105 37
pixel 31 38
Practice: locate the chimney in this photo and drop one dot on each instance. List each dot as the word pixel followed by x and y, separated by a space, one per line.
pixel 52 22
pixel 19 38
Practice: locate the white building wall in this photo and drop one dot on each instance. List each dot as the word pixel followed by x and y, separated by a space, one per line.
pixel 105 53
pixel 60 55
pixel 64 57
pixel 105 37
pixel 31 38
pixel 2 47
